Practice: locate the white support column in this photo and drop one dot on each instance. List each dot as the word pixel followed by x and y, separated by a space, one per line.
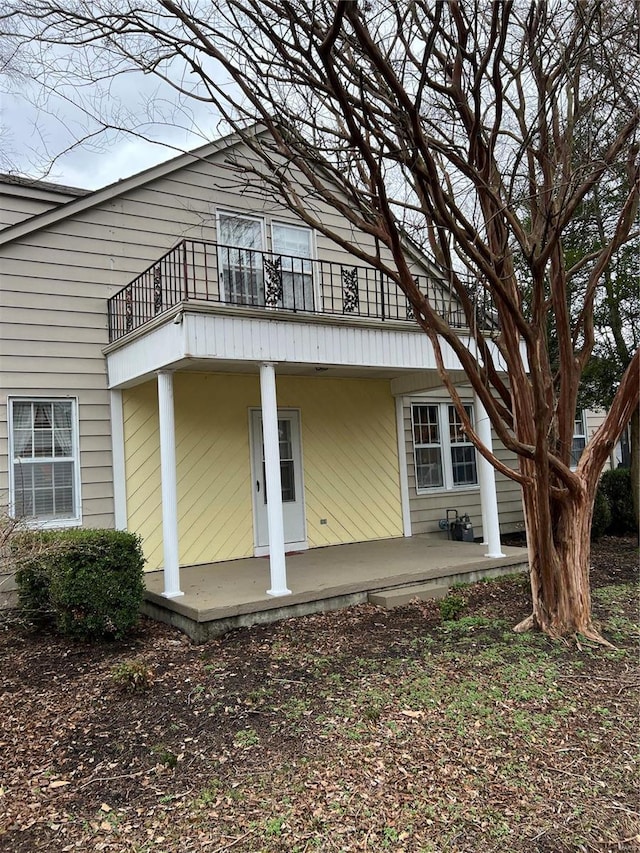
pixel 487 476
pixel 402 463
pixel 277 562
pixel 168 486
pixel 117 456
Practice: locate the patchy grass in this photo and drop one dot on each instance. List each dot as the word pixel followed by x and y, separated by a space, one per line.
pixel 362 730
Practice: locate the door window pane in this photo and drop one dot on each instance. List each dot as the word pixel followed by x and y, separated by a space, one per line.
pixel 287 476
pixel 287 465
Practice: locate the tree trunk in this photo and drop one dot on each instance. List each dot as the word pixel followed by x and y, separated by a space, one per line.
pixel 634 448
pixel 559 545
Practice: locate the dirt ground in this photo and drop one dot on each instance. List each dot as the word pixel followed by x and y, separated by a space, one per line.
pixel 360 730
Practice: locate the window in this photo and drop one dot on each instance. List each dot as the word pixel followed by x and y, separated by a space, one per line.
pixel 463 453
pixel 44 460
pixel 444 457
pixel 240 259
pixel 293 244
pixel 427 447
pixel 287 463
pixel 579 439
pixel 251 276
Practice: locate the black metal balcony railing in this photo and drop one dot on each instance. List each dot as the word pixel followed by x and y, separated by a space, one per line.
pixel 196 270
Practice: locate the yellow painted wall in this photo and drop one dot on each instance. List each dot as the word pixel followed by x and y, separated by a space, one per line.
pixel 142 469
pixel 350 457
pixel 349 450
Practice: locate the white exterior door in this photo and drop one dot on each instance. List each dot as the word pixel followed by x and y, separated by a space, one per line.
pixel 291 477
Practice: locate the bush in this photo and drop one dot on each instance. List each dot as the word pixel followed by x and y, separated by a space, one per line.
pixel 131 675
pixel 30 553
pixel 601 515
pixel 88 583
pixel 616 486
pixel 451 606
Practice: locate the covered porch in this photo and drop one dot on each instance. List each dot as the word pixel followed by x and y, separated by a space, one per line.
pixel 222 596
pixel 211 457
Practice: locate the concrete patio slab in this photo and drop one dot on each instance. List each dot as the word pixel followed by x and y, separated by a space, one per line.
pixel 220 596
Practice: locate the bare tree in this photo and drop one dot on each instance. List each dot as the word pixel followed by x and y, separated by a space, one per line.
pixel 455 120
pixel 11 73
pixel 616 318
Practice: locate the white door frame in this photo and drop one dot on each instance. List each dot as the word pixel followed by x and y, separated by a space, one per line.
pixel 298 545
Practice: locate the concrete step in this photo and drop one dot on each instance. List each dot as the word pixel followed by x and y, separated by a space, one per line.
pixel 400 595
pixel 8 592
pixel 440 585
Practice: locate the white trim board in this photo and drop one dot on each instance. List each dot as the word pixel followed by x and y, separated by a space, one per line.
pixel 232 337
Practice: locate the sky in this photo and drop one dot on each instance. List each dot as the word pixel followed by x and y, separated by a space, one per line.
pixel 41 134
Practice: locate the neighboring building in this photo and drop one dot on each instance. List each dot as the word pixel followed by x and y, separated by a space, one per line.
pixel 21 198
pixel 587 422
pixel 224 309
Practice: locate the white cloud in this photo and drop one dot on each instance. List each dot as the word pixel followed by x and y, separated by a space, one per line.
pixel 46 134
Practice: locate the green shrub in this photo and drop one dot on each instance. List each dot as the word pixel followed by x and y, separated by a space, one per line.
pixel 131 675
pixel 89 583
pixel 451 606
pixel 601 520
pixel 30 554
pixel 616 486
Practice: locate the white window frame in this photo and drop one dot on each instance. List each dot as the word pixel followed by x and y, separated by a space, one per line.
pixel 34 521
pixel 236 214
pixel 417 446
pixel 582 417
pixel 313 254
pixel 445 445
pixel 266 229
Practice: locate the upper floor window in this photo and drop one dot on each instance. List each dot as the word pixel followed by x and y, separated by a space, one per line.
pixel 240 256
pixel 292 245
pixel 579 441
pixel 249 275
pixel 443 455
pixel 44 474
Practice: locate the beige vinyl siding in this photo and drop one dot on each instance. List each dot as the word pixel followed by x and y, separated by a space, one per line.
pixel 427 509
pixel 508 491
pixel 593 420
pixel 16 207
pixel 54 283
pixel 22 199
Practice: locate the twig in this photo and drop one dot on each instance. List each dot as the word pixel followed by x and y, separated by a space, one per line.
pixel 540 834
pixel 585 677
pixel 111 778
pixel 236 841
pixel 574 775
pixel 623 809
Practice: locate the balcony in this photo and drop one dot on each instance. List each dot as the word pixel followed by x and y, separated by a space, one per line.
pixel 250 279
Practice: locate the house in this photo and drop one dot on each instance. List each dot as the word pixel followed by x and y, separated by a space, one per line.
pixel 21 198
pixel 176 346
